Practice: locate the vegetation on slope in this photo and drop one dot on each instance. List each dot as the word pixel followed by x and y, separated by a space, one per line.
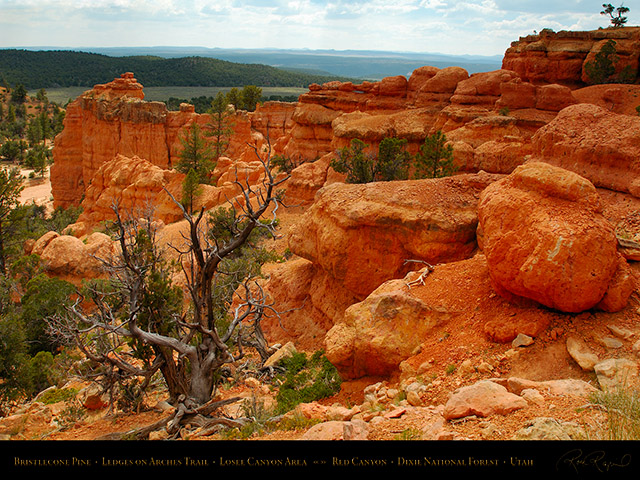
pixel 46 69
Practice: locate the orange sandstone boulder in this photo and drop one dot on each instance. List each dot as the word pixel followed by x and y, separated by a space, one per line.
pixel 546 240
pixel 70 258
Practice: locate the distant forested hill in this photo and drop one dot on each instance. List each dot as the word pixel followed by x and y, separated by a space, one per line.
pixel 50 69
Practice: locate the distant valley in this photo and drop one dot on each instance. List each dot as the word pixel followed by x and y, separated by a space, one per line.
pixel 356 64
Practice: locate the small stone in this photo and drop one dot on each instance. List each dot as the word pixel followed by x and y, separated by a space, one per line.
pixel 485 367
pixel 424 367
pixel 482 399
pixel 338 412
pixel 373 388
pixel 488 429
pixel 467 367
pixel 533 396
pixel 550 429
pixel 581 354
pixel 522 340
pixel 511 353
pixel 445 436
pixel 285 352
pixel 612 343
pixel 396 413
pixel 616 373
pixel 620 332
pixel 414 399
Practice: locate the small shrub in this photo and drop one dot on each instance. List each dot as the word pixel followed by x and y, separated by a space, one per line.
pixel 504 111
pixel 307 380
pixel 359 166
pixel 71 415
pixel 297 421
pixel 450 369
pixel 259 417
pixel 638 109
pixel 286 164
pixel 131 398
pixel 393 160
pixel 56 395
pixel 603 67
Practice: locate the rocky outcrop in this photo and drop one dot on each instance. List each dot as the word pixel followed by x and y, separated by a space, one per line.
pixel 114 119
pixel 560 57
pixel 356 237
pixel 622 99
pixel 74 260
pixel 545 239
pixel 143 190
pixel 362 235
pixel 135 186
pixel 597 144
pixel 398 321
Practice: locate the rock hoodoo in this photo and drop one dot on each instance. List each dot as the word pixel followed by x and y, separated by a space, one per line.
pixel 114 119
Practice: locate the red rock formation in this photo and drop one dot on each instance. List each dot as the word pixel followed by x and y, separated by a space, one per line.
pixel 140 188
pixel 560 57
pixel 362 234
pixel 623 99
pixel 355 237
pixel 113 119
pixel 599 145
pixel 546 240
pixel 135 186
pixel 402 317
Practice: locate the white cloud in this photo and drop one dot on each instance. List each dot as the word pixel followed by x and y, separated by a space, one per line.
pixel 449 26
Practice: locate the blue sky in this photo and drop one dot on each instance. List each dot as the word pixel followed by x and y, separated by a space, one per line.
pixel 479 27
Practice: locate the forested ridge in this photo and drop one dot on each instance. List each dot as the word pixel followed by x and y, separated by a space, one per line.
pixel 50 69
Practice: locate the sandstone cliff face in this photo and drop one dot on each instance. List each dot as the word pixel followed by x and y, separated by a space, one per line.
pixel 489 118
pixel 560 57
pixel 113 119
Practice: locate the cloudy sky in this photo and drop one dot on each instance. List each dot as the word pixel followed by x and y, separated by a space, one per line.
pixel 482 27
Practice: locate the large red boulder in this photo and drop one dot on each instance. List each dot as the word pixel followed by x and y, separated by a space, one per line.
pixel 545 238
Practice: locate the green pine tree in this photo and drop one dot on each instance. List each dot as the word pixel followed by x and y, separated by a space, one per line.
pixel 196 154
pixel 220 127
pixel 190 190
pixel 393 160
pixel 435 158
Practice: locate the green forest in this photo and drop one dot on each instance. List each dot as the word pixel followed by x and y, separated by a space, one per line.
pixel 51 69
